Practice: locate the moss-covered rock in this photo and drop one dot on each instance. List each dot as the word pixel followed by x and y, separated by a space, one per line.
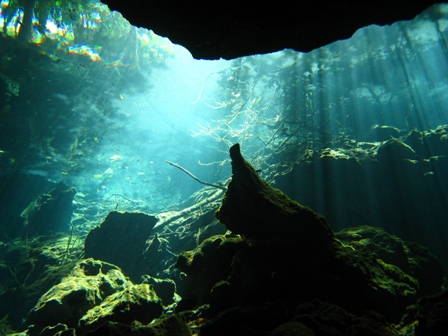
pixel 287 256
pixel 94 292
pixel 209 263
pixel 397 256
pixel 253 208
pixel 122 237
pixel 170 325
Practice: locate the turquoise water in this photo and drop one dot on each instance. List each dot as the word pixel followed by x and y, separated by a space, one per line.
pixel 89 100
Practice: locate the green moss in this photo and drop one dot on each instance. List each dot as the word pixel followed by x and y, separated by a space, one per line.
pixel 395 280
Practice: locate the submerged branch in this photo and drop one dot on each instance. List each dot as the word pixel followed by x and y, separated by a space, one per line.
pixel 194 177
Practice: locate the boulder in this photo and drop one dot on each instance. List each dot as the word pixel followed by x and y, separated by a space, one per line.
pixel 411 258
pixel 121 240
pixel 206 265
pixel 94 292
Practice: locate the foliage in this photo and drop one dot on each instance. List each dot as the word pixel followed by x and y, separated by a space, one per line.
pixel 84 27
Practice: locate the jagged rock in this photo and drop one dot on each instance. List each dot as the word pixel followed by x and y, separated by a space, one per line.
pixel 34 266
pixel 50 212
pixel 351 279
pixel 289 253
pixel 94 292
pixel 56 330
pixel 409 257
pixel 253 208
pixel 120 238
pixel 209 263
pixel 234 31
pixel 228 274
pixel 165 288
pixel 428 317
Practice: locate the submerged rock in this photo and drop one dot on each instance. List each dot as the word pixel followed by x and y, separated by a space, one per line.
pixel 253 208
pixel 288 256
pixel 170 325
pixel 206 265
pixel 252 277
pixel 429 317
pixel 120 238
pixel 410 258
pixel 165 288
pixel 94 292
pixel 358 274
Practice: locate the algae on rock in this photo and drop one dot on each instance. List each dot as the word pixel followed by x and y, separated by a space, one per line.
pixel 253 208
pixel 95 292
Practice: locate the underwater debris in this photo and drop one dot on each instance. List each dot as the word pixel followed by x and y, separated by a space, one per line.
pixel 199 207
pixel 194 177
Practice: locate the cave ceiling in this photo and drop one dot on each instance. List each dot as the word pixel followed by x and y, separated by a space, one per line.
pixel 231 29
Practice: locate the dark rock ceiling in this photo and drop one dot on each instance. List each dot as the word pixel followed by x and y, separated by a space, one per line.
pixel 230 29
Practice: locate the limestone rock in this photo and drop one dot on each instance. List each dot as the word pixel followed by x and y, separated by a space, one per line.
pixel 165 288
pixel 253 208
pixel 235 30
pixel 409 257
pixel 225 272
pixel 120 238
pixel 94 292
pixel 209 263
pixel 168 325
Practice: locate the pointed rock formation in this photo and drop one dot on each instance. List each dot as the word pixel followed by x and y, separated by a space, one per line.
pixel 254 209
